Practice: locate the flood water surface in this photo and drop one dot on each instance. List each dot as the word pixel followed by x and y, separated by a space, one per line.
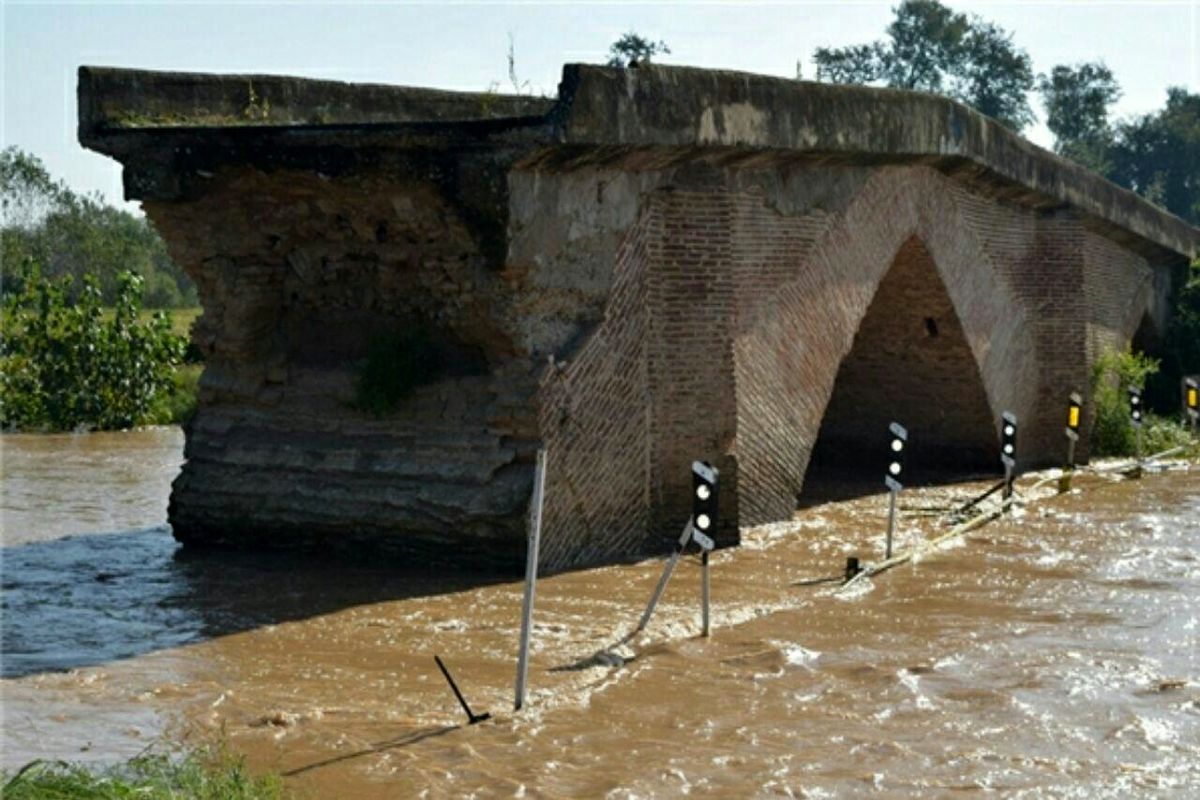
pixel 1054 653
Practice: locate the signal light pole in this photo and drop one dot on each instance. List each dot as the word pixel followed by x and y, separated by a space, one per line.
pixel 704 518
pixel 897 449
pixel 1074 418
pixel 705 483
pixel 1008 451
pixel 1135 417
pixel 1191 400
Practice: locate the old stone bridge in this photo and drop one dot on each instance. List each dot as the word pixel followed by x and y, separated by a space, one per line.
pixel 660 265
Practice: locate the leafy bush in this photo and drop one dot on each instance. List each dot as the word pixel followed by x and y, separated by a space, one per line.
pixel 66 367
pixel 1113 375
pixel 208 775
pixel 177 405
pixel 396 364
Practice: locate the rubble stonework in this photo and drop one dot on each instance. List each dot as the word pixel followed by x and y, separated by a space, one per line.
pixel 661 265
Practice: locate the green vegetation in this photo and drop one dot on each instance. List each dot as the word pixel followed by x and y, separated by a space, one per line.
pixel 67 366
pixel 930 48
pixel 396 364
pixel 52 232
pixel 207 775
pixel 1112 376
pixel 631 50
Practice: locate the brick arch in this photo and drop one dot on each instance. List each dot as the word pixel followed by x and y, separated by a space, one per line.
pixel 788 351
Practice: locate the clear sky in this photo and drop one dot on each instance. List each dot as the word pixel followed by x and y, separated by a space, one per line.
pixel 1149 45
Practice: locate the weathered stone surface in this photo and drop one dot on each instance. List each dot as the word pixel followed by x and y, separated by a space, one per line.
pixel 663 265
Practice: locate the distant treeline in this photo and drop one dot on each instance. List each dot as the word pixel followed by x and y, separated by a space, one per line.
pixel 929 47
pixel 49 229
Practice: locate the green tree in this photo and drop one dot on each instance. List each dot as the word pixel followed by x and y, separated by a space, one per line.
pixel 1077 99
pixel 632 49
pixel 931 48
pixel 68 234
pixel 994 76
pixel 1158 155
pixel 926 44
pixel 68 366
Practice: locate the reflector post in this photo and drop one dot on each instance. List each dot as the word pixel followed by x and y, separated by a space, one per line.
pixel 894 474
pixel 1074 415
pixel 705 479
pixel 1074 418
pixel 1008 450
pixel 896 454
pixel 1135 405
pixel 1008 439
pixel 1191 398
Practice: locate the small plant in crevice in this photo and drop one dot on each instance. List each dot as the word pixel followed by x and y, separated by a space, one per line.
pixel 396 363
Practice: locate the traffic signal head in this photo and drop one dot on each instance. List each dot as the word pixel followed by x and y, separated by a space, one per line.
pixel 1191 396
pixel 897 450
pixel 1008 438
pixel 1135 405
pixel 705 479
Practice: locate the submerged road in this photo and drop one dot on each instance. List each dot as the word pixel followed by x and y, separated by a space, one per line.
pixel 1056 653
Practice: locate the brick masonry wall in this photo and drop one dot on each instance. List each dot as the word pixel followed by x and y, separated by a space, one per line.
pixel 751 311
pixel 297 276
pixel 641 320
pixel 595 428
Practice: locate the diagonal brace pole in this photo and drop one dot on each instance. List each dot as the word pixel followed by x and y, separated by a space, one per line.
pixel 666 576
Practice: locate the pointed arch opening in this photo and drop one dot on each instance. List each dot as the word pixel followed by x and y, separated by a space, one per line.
pixel 1162 387
pixel 910 363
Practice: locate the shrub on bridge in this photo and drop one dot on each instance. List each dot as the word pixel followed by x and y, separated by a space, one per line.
pixel 78 366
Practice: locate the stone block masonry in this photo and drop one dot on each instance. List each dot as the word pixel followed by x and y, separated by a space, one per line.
pixel 661 265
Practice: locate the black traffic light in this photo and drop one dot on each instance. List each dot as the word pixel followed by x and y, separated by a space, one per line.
pixel 1008 439
pixel 1191 398
pixel 705 479
pixel 897 450
pixel 1135 405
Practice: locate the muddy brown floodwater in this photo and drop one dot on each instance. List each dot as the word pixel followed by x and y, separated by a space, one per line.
pixel 1055 653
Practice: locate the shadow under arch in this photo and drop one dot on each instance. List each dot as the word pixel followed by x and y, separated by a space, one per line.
pixel 910 363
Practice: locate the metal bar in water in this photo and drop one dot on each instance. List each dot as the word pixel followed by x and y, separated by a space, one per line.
pixel 472 717
pixel 531 565
pixel 1008 484
pixel 977 500
pixel 704 592
pixel 666 576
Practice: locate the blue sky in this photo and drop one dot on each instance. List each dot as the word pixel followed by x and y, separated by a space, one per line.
pixel 1149 44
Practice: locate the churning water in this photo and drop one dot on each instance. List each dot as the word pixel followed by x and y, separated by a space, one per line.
pixel 1055 653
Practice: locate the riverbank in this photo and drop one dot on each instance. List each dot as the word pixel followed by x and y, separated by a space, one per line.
pixel 1051 651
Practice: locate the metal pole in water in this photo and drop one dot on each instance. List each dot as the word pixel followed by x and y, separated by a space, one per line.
pixel 704 592
pixel 1008 485
pixel 666 576
pixel 472 717
pixel 531 565
pixel 891 523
